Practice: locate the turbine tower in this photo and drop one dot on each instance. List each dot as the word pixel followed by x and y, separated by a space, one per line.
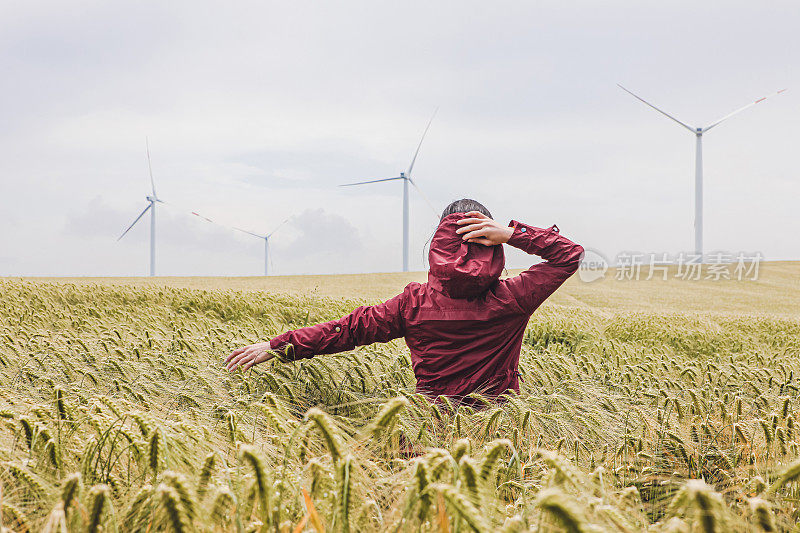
pixel 698 162
pixel 266 242
pixel 406 177
pixel 152 200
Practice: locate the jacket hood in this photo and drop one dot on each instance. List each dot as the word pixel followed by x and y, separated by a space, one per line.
pixel 460 269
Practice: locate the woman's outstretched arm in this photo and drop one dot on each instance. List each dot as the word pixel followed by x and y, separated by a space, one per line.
pixel 365 325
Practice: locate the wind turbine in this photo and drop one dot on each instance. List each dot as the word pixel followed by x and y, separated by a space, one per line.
pixel 152 200
pixel 698 162
pixel 406 177
pixel 266 242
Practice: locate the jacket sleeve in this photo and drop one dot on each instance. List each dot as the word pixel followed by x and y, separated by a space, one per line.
pixel 365 325
pixel 562 258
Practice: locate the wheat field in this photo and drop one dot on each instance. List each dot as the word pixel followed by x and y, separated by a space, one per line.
pixel 645 406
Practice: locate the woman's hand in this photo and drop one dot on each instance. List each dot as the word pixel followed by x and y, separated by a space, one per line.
pixel 248 356
pixel 481 229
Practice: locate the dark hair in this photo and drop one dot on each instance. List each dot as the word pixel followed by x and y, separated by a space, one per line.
pixel 465 205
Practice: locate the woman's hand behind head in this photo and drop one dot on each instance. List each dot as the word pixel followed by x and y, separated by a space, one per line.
pixel 480 229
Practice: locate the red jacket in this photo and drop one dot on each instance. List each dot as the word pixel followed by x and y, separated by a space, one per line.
pixel 464 327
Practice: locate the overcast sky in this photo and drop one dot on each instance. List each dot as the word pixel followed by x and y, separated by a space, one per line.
pixel 256 111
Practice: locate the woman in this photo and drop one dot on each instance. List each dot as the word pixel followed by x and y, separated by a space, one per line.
pixel 464 327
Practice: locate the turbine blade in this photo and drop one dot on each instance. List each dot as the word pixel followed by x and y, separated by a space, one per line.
pixel 195 213
pixel 424 197
pixel 186 211
pixel 278 227
pixel 411 167
pixel 248 232
pixel 150 167
pixel 371 181
pixel 751 104
pixel 657 109
pixel 149 205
